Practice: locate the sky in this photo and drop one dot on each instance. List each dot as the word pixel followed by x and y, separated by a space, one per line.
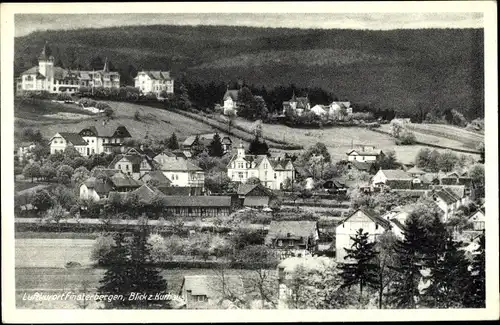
pixel 27 23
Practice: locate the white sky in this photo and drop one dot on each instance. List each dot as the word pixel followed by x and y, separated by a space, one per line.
pixel 27 23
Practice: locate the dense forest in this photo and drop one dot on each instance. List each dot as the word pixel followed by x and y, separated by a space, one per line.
pixel 411 72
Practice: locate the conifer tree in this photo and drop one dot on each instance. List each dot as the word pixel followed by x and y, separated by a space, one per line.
pixel 476 290
pixel 172 142
pixel 448 279
pixel 360 267
pixel 404 291
pixel 215 148
pixel 116 280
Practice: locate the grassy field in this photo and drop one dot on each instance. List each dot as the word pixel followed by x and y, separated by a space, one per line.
pixel 155 122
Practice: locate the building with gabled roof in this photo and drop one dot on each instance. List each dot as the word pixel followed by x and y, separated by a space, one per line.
pixel 365 153
pixel 211 291
pixel 230 100
pixel 62 140
pixel 181 172
pixel 254 195
pixel 449 201
pixel 364 219
pixel 272 173
pixel 154 81
pixel 393 178
pixel 133 165
pixel 293 238
pixel 478 219
pixel 297 104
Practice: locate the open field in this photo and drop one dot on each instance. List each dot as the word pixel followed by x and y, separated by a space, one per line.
pixel 155 122
pixel 338 139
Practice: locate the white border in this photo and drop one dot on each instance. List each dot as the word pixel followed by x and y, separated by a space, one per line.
pixel 10 314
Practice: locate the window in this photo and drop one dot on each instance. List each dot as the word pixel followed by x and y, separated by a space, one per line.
pixel 290 243
pixel 201 298
pixel 126 167
pixel 274 175
pixel 280 243
pixel 240 174
pixel 190 210
pixel 265 174
pixel 119 166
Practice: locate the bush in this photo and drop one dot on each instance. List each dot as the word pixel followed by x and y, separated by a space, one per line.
pixel 406 138
pixel 458 118
pixel 109 112
pixel 36 94
pixel 102 106
pixel 87 102
pixel 63 97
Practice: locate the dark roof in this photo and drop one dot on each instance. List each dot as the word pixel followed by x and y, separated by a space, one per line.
pixel 362 165
pixel 199 201
pixel 280 164
pixel 109 130
pixel 73 138
pixel 158 176
pixel 98 185
pixel 373 216
pixel 122 180
pixel 280 229
pixel 233 94
pixel 254 190
pixel 243 189
pixel 109 172
pixel 147 193
pixel 447 196
pixel 157 74
pixel 174 190
pixel 397 223
pixel 256 201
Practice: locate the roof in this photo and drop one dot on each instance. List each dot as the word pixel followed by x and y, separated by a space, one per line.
pixel 134 159
pixel 198 201
pixel 373 216
pixel 415 170
pixel 302 171
pixel 177 164
pixel 447 196
pixel 244 189
pixel 233 94
pixel 174 190
pixel 396 174
pixel 73 138
pixel 98 185
pixel 156 175
pixel 32 70
pixel 280 229
pixel 428 177
pixel 122 180
pixel 107 171
pixel 364 153
pixel 256 201
pixel 397 223
pixel 108 130
pixel 156 74
pixel 280 164
pixel 189 141
pixel 211 285
pixel 147 193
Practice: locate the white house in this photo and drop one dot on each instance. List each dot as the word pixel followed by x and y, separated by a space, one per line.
pixel 210 291
pixel 53 79
pixel 364 153
pixel 449 201
pixel 133 165
pixel 478 219
pixel 394 178
pixel 103 138
pixel 320 110
pixel 272 173
pixel 62 140
pixel 181 172
pixel 360 219
pixel 154 82
pixel 339 110
pixel 297 104
pixel 24 149
pixel 230 100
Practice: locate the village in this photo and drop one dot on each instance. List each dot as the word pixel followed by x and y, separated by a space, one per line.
pixel 219 203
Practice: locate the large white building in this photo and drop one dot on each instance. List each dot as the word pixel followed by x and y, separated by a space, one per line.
pixel 272 173
pixel 91 140
pixel 230 100
pixel 47 77
pixel 154 82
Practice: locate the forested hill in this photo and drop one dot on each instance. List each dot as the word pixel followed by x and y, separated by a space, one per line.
pixel 404 70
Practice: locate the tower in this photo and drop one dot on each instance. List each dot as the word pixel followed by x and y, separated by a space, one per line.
pixel 106 67
pixel 241 150
pixel 46 67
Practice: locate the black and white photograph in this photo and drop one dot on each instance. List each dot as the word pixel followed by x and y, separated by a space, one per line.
pixel 243 159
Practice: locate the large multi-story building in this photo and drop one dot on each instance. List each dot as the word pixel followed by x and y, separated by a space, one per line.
pixel 272 173
pixel 154 82
pixel 47 77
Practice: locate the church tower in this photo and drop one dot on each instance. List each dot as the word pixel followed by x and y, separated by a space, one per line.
pixel 46 67
pixel 241 150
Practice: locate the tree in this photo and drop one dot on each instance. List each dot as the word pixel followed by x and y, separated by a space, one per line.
pixel 406 138
pixel 360 268
pixel 109 112
pixel 261 110
pixel 385 260
pixel 258 147
pixel 447 160
pixel 253 180
pixel 230 116
pixel 318 149
pixel 96 63
pixel 422 160
pixel 217 182
pixel 476 288
pixel 396 128
pixel 197 147
pixel 80 174
pixel 448 278
pixel 477 174
pixel 480 148
pixel 184 103
pixel 42 201
pixel 64 196
pixel 55 213
pixel 47 171
pixel 246 104
pixel 215 148
pixel 172 142
pixel 71 152
pixel 64 174
pixel 32 170
pixel 404 291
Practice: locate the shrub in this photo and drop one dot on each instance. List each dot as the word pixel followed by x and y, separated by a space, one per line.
pixel 63 96
pixel 406 138
pixel 458 118
pixel 102 106
pixel 109 112
pixel 137 116
pixel 102 246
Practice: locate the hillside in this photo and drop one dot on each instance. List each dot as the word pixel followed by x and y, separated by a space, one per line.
pixel 404 70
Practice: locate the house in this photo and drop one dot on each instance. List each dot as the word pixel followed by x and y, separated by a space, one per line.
pixel 47 77
pixel 303 174
pixel 456 178
pixel 272 173
pixel 254 195
pixel 105 138
pixel 230 100
pixel 320 110
pixel 24 149
pixel 448 200
pixel 335 186
pixel 154 82
pixel 365 154
pixel 364 219
pixel 339 110
pixel 133 165
pixel 299 105
pixel 478 219
pixel 362 166
pixel 415 172
pixel 429 178
pixel 204 140
pixel 211 291
pixel 97 188
pixel 293 238
pixel 62 140
pixel 198 206
pixel 393 178
pixel 182 173
pixel 311 265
